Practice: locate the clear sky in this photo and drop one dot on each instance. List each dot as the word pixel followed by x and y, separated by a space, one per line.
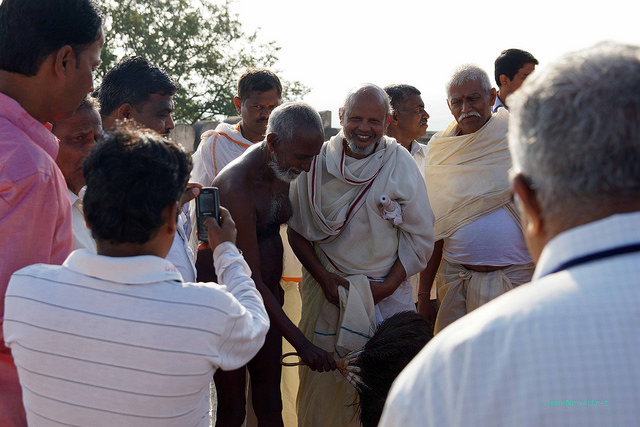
pixel 333 45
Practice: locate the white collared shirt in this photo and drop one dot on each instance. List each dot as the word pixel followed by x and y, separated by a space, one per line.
pixel 561 351
pixel 82 238
pixel 498 104
pixel 180 253
pixel 108 341
pixel 419 153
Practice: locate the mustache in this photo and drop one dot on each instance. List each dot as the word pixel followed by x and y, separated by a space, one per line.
pixel 467 115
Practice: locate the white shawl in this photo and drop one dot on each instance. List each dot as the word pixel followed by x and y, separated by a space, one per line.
pixel 337 205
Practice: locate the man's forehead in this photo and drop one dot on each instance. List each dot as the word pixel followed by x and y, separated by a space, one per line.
pixel 159 102
pixel 367 103
pixel 467 88
pixel 82 119
pixel 268 96
pixel 413 100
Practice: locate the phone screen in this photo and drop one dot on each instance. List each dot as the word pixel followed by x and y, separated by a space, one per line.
pixel 207 204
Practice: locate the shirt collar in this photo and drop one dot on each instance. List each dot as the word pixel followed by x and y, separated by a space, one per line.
pixel 73 197
pixel 11 110
pixel 126 270
pixel 416 148
pixel 608 233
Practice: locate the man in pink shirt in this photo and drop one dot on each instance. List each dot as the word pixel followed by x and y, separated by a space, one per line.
pixel 48 51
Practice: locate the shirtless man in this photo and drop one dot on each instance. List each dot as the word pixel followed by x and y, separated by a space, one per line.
pixel 255 189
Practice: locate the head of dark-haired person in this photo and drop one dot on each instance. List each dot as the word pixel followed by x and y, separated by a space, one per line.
pixel 259 93
pixel 137 90
pixel 135 179
pixel 48 50
pixel 77 135
pixel 409 119
pixel 512 67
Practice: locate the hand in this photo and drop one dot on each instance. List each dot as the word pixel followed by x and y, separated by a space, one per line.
pixel 225 232
pixel 190 193
pixel 426 308
pixel 316 358
pixel 330 286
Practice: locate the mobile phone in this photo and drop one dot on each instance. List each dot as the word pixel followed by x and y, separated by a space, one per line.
pixel 207 204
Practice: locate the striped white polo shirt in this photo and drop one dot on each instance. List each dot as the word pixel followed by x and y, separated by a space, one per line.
pixel 104 341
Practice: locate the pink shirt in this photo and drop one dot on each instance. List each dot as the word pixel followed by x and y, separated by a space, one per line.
pixel 35 213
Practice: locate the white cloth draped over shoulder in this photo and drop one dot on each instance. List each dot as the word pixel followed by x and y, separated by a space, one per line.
pixel 336 205
pixel 223 145
pixel 467 175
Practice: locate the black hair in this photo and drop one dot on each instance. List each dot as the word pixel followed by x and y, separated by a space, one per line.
pixel 131 177
pixel 31 30
pixel 510 61
pixel 399 94
pixel 132 81
pixel 257 80
pixel 396 341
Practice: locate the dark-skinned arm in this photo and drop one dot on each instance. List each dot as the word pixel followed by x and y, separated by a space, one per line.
pixel 427 276
pixel 244 213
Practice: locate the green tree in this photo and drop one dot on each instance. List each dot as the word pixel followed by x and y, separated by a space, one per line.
pixel 200 43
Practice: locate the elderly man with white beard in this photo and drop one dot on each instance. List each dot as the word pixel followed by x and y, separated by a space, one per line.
pixel 480 251
pixel 255 189
pixel 356 251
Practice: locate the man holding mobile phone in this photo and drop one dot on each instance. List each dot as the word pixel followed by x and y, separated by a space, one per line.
pixel 120 339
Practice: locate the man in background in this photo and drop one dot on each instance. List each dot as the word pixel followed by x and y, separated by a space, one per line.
pixel 48 51
pixel 137 90
pixel 512 67
pixel 409 121
pixel 78 135
pixel 259 93
pixel 117 338
pixel 480 252
pixel 562 350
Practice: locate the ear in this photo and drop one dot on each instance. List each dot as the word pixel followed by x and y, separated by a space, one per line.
pixel 64 60
pixel 341 115
pixel 238 103
pixel 170 218
pixel 272 141
pixel 394 117
pixel 504 80
pixel 124 111
pixel 493 94
pixel 529 206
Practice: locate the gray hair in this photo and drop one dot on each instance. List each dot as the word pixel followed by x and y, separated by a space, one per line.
pixel 574 130
pixel 468 73
pixel 287 118
pixel 362 89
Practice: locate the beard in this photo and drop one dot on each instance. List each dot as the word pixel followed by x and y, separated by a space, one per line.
pixel 361 151
pixel 288 175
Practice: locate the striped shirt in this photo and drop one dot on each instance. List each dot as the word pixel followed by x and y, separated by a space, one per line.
pixel 104 341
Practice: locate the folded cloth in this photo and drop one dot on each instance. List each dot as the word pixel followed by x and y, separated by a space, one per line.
pixel 349 325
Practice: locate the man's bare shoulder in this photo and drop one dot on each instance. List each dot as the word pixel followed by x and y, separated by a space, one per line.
pixel 240 174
